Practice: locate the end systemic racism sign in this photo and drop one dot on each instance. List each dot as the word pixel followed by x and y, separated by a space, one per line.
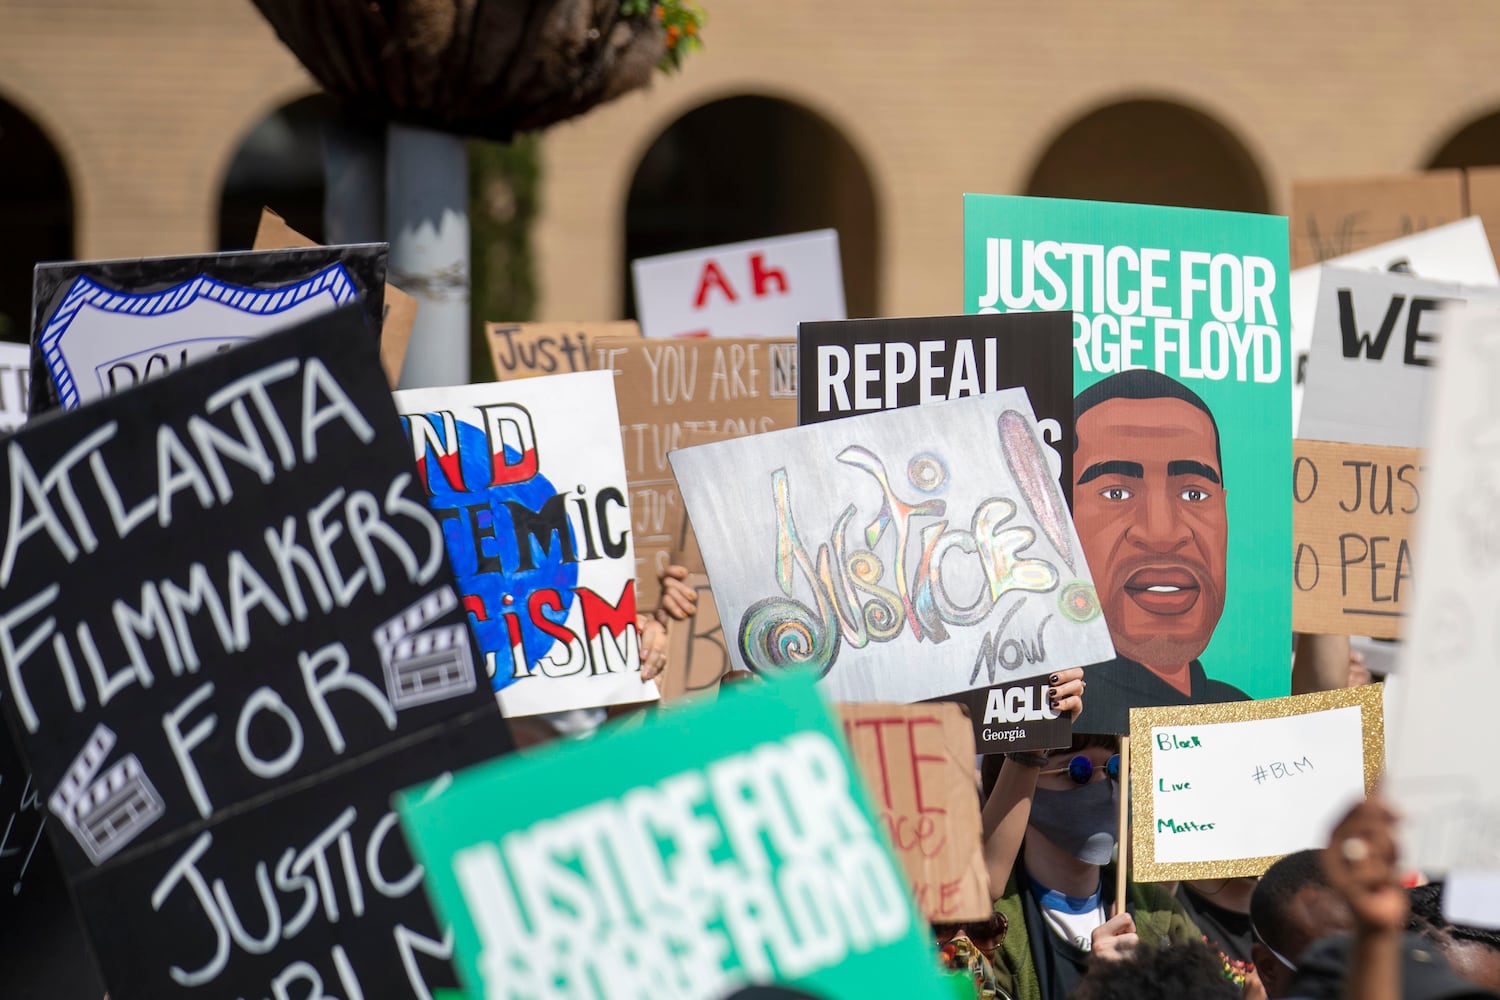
pixel 728 843
pixel 222 599
pixel 528 479
pixel 1183 374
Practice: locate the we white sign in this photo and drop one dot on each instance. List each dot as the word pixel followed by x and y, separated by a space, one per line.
pixel 760 288
pixel 1374 356
pixel 1458 252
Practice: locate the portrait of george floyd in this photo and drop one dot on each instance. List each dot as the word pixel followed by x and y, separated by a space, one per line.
pixel 1182 378
pixel 1150 505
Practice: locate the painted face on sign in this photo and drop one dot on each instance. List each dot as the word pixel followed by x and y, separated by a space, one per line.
pixel 1148 501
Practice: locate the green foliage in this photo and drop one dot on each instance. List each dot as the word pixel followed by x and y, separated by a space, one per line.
pixel 681 21
pixel 504 182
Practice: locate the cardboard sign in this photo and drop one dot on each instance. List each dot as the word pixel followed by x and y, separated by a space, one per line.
pixel 900 556
pixel 42 947
pixel 1225 790
pixel 728 843
pixel 528 481
pixel 224 589
pixel 1440 778
pixel 918 764
pixel 400 311
pixel 1354 507
pixel 696 657
pixel 863 365
pixel 1374 347
pixel 521 350
pixel 1331 218
pixel 1458 252
pixel 15 383
pixel 104 326
pixel 672 395
pixel 1182 463
pixel 1014 716
pixel 759 288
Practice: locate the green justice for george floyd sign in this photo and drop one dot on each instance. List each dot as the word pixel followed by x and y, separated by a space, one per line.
pixel 1182 449
pixel 723 844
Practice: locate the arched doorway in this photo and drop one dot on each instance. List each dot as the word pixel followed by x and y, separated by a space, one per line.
pixel 748 167
pixel 1477 144
pixel 36 214
pixel 1154 153
pixel 279 165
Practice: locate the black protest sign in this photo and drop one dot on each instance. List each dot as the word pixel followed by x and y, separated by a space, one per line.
pixel 863 365
pixel 99 327
pixel 214 588
pixel 315 891
pixel 1014 717
pixel 42 950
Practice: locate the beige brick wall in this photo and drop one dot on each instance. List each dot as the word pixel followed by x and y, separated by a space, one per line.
pixel 147 100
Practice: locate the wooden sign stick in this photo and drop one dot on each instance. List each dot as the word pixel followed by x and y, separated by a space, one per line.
pixel 1123 841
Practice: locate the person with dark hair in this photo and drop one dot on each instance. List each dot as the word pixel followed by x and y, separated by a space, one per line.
pixel 1380 960
pixel 1473 952
pixel 1221 909
pixel 1050 822
pixel 1189 971
pixel 1148 502
pixel 1292 906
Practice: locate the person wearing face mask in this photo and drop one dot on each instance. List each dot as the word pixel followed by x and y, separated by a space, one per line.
pixel 1058 894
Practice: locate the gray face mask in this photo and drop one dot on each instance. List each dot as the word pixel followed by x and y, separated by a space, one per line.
pixel 1082 822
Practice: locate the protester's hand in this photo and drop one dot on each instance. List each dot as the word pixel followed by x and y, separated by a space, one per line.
pixel 1254 989
pixel 653 637
pixel 1065 693
pixel 677 598
pixel 1115 940
pixel 1361 864
pixel 1359 674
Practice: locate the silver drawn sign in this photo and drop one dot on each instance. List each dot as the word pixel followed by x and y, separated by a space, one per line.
pixel 902 555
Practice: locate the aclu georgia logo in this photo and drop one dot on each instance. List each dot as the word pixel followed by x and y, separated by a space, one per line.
pixel 104 812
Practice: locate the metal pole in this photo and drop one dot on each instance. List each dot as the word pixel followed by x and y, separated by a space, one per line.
pixel 354 180
pixel 427 211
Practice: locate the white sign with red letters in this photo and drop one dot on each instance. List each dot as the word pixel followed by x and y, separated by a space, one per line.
pixel 761 288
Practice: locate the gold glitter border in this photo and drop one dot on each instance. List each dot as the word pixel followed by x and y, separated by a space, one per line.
pixel 1144 866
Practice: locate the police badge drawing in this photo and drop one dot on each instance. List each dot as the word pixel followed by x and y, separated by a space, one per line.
pixel 105 326
pixel 528 480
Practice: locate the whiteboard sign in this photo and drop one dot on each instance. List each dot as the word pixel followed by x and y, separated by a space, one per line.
pixel 760 288
pixel 1225 790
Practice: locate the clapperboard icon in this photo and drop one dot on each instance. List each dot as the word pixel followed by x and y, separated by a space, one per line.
pixel 425 664
pixel 105 812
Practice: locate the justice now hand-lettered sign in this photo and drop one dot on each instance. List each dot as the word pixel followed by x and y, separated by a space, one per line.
pixel 901 555
pixel 726 844
pixel 759 288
